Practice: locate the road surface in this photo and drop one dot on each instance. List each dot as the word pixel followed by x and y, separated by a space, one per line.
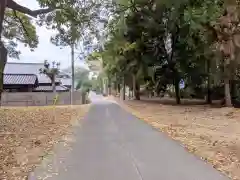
pixel 112 144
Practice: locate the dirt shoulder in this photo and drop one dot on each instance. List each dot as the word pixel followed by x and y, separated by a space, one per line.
pixel 28 134
pixel 211 133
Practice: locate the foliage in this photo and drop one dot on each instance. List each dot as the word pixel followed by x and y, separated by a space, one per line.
pixel 86 85
pixel 82 79
pixel 157 44
pixel 96 84
pixel 71 20
pixel 18 27
pixel 51 72
pixel 69 17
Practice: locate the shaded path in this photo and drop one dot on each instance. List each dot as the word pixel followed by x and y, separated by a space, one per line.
pixel 114 145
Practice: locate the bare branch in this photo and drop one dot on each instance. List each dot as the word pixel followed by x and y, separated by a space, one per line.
pixel 17 7
pixel 5 20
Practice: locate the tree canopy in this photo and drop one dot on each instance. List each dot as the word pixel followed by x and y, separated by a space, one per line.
pixel 145 43
pixel 158 44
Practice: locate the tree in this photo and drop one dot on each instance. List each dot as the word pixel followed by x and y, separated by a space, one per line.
pixel 85 86
pixel 51 72
pixel 204 17
pixel 67 16
pixel 10 19
pixel 80 72
pixel 228 42
pixel 72 25
pixel 174 40
pixel 82 78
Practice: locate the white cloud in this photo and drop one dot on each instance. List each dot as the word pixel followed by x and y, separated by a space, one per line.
pixel 46 50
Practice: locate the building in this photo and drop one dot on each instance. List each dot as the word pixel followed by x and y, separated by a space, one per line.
pixel 26 77
pixel 20 82
pixel 66 79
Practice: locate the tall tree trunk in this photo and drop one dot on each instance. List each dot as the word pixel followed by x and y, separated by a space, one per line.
pixel 129 93
pixel 109 86
pixel 134 84
pixel 118 88
pixel 3 50
pixel 177 90
pixel 137 91
pixel 136 88
pixel 105 91
pixel 114 89
pixel 233 91
pixel 3 60
pixel 209 92
pixel 124 89
pixel 3 4
pixel 209 99
pixel 228 100
pixel 227 91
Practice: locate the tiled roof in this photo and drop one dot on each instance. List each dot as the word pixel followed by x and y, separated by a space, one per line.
pixel 66 81
pixel 27 68
pixel 49 88
pixel 25 79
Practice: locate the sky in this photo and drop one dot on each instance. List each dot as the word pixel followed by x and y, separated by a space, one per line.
pixel 46 50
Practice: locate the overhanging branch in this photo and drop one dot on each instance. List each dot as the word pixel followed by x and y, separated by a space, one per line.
pixel 17 7
pixel 20 20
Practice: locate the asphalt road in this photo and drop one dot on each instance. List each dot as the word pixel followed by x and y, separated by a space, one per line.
pixel 112 144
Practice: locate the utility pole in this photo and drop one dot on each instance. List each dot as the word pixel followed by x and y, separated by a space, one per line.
pixel 72 64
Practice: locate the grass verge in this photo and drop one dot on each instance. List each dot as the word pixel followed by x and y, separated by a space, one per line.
pixel 28 134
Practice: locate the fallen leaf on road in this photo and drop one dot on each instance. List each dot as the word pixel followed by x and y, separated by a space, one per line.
pixel 210 133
